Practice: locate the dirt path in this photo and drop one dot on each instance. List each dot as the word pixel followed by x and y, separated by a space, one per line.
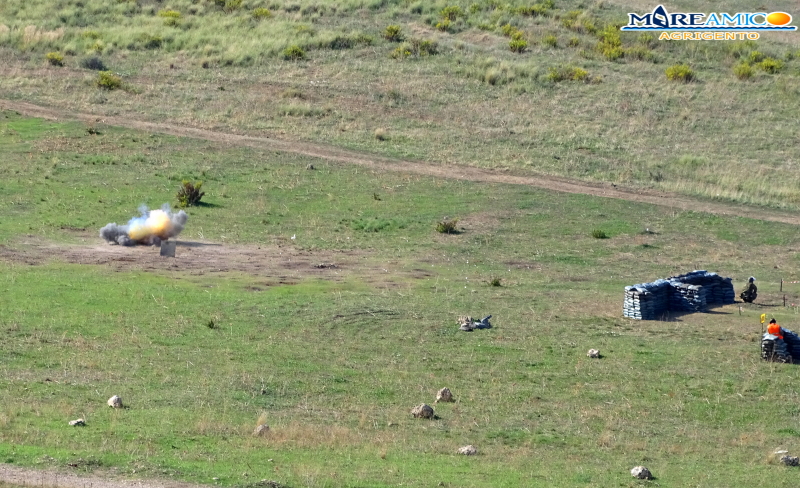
pixel 52 478
pixel 333 153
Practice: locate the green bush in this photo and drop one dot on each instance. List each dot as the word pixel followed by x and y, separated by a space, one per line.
pixel 451 13
pixel 567 73
pixel 93 63
pixel 401 52
pixel 756 57
pixel 574 42
pixel 612 53
pixel 447 226
pixel 647 39
pixel 229 5
pixel 771 65
pixel 599 234
pixel 261 13
pixel 743 71
pixel 518 45
pixel 146 41
pixel 108 80
pixel 550 40
pixel 189 194
pixel 55 58
pixel 392 33
pixel 294 53
pixel 494 282
pixel 444 25
pixel 169 14
pixel 680 72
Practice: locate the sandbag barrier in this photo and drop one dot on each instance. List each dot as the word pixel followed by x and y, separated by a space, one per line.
pixel 690 292
pixel 786 350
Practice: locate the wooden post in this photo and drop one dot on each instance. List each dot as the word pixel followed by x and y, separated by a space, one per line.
pixel 781 284
pixel 784 300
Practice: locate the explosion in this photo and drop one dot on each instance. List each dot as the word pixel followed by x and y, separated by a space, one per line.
pixel 150 229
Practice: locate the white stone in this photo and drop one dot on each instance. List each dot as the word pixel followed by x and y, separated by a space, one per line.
pixel 115 402
pixel 422 411
pixel 77 423
pixel 469 450
pixel 593 353
pixel 641 473
pixel 444 395
pixel 262 429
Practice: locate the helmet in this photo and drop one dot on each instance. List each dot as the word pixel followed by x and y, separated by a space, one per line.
pixel 752 279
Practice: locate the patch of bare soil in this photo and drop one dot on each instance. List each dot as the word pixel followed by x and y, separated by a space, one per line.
pixel 270 263
pixel 333 153
pixel 61 479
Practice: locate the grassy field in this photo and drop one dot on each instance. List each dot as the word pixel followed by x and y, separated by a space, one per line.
pixel 452 94
pixel 334 360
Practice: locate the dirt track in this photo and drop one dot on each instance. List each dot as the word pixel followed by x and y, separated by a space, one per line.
pixel 333 153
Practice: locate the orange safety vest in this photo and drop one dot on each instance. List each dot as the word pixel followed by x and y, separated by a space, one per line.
pixel 775 330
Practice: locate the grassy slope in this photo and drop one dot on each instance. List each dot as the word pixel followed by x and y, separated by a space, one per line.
pixel 687 397
pixel 473 103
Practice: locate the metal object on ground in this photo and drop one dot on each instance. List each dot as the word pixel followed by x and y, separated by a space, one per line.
pixel 168 248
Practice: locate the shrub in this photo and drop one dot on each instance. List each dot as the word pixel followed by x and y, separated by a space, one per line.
pixel 392 33
pixel 518 45
pixel 647 39
pixel 599 234
pixel 567 73
pixel 743 71
pixel 108 80
pixel 756 57
pixel 189 194
pixel 447 226
pixel 55 58
pixel 294 53
pixel 680 72
pixel 771 65
pixel 451 13
pixel 494 282
pixel 228 5
pixel 612 53
pixel 574 42
pixel 261 13
pixel 444 25
pixel 171 17
pixel 550 40
pixel 90 34
pixel 93 63
pixel 401 52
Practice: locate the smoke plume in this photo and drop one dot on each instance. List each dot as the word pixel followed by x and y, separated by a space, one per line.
pixel 150 228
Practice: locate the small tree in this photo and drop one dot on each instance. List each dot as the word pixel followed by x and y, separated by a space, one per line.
pixel 189 194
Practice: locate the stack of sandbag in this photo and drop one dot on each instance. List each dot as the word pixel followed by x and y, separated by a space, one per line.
pixel 792 341
pixel 690 292
pixel 774 349
pixel 687 298
pixel 717 288
pixel 646 301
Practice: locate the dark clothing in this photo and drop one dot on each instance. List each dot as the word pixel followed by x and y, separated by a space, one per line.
pixel 750 294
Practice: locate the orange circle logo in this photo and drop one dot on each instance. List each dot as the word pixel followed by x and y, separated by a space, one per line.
pixel 779 18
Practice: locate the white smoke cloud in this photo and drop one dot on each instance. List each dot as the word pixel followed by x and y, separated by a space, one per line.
pixel 150 228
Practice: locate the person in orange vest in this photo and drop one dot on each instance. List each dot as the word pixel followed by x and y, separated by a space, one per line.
pixel 775 329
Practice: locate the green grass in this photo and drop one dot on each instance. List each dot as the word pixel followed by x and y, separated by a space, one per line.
pixel 474 102
pixel 334 363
